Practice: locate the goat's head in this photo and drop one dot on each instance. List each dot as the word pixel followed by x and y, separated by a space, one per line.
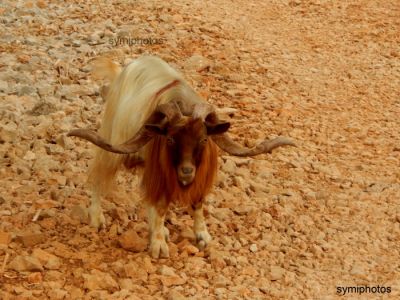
pixel 186 137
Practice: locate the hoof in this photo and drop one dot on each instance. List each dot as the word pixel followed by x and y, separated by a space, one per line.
pixel 159 248
pixel 96 218
pixel 203 238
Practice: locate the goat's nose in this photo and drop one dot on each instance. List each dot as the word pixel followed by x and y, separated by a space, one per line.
pixel 187 170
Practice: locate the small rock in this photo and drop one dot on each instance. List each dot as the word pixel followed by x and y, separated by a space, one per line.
pixel 131 241
pixel 32 239
pixel 243 210
pixel 79 213
pixel 229 167
pixel 277 273
pixel 98 280
pixel 136 272
pixel 239 182
pixel 167 271
pixel 148 266
pixel 197 63
pixel 25 263
pixel 3 86
pixel 76 293
pixel 19 290
pixel 43 108
pixel 175 295
pixel 253 248
pixel 29 155
pixel 35 278
pixel 177 18
pixel 216 258
pixel 57 294
pixel 5 238
pixel 9 132
pixel 190 249
pixel 220 292
pixel 49 260
pixel 188 234
pixel 164 18
pixel 220 281
pixel 54 149
pixel 357 270
pixel 26 90
pixel 126 283
pixel 172 280
pixel 45 90
pixel 5 212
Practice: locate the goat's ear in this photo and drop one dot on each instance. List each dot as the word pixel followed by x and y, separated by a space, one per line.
pixel 156 128
pixel 217 128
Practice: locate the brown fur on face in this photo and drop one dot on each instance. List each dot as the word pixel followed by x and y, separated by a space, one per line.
pixel 189 147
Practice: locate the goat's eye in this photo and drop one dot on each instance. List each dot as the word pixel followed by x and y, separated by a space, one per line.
pixel 203 141
pixel 170 141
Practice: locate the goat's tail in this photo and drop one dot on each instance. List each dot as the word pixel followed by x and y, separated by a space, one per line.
pixel 105 68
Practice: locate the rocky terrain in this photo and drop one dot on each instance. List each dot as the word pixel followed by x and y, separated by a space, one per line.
pixel 295 224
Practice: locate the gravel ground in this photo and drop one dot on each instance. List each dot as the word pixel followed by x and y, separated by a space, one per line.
pixel 296 224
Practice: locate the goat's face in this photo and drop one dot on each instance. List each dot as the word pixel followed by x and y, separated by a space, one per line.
pixel 186 140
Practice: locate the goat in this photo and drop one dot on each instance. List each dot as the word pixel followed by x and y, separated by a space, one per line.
pixel 151 110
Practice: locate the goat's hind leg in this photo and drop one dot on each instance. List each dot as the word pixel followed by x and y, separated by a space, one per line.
pixel 158 232
pixel 200 227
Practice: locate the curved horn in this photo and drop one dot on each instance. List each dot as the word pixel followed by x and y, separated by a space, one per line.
pixel 233 148
pixel 203 110
pixel 170 110
pixel 131 146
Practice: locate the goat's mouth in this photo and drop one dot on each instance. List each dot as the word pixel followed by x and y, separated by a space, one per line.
pixel 185 180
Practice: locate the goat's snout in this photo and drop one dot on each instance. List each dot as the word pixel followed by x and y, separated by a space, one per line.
pixel 186 174
pixel 187 170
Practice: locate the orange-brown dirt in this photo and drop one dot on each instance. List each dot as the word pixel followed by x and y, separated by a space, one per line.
pixel 295 224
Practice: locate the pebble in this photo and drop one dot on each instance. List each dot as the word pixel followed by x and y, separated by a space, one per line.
pixel 35 278
pixel 197 63
pixel 5 238
pixel 168 281
pixel 276 273
pixel 80 213
pixel 29 155
pixel 98 280
pixel 25 263
pixel 131 241
pixel 49 261
pixel 165 270
pixel 32 239
pixel 229 167
pixel 57 294
pixel 175 295
pixel 3 86
pixel 26 90
pixel 136 272
pixel 253 248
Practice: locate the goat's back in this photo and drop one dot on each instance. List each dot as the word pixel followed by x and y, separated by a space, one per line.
pixel 130 100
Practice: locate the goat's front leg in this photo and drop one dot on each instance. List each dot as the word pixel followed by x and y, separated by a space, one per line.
pixel 158 232
pixel 200 227
pixel 96 216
